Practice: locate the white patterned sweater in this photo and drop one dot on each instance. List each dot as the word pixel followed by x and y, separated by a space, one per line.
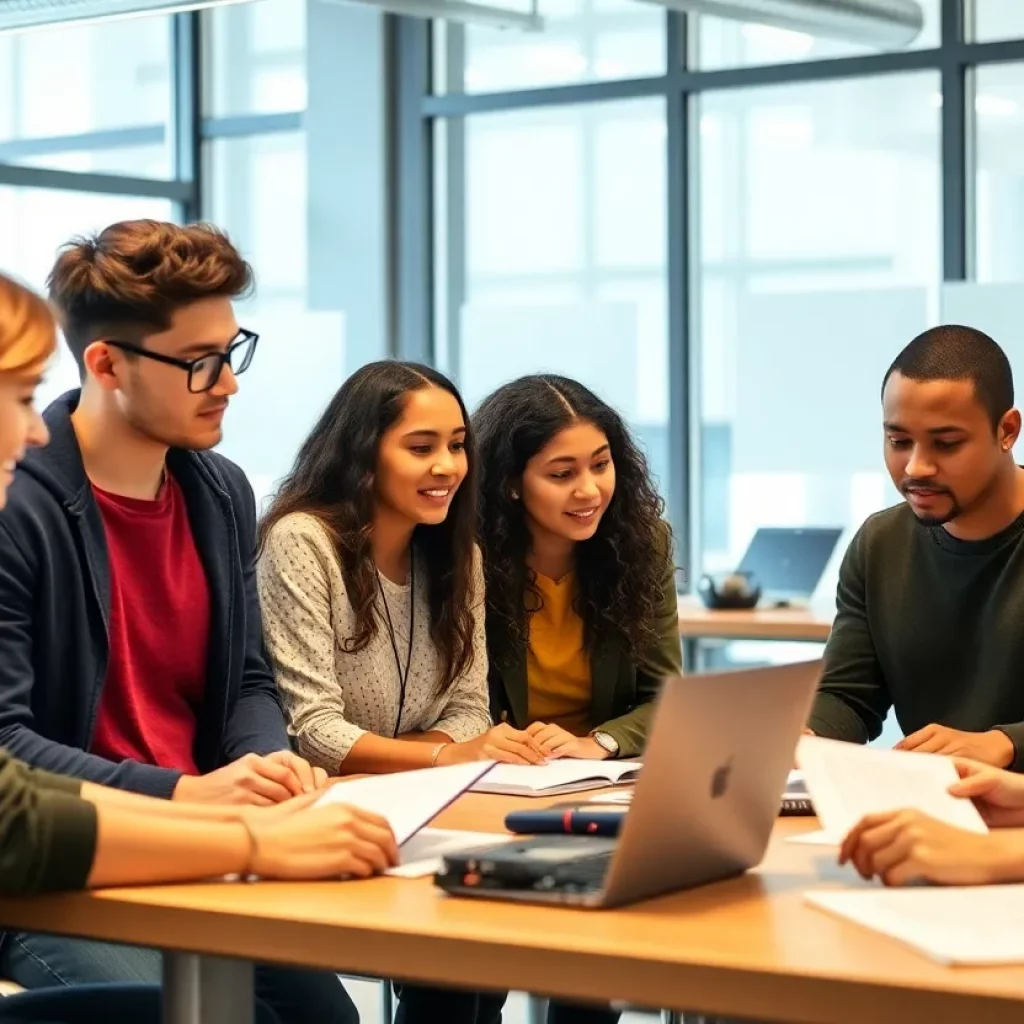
pixel 332 697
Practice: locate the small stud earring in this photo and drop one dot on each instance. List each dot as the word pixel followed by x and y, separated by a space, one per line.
pixel 514 495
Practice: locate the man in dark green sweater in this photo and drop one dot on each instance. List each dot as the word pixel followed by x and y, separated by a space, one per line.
pixel 930 605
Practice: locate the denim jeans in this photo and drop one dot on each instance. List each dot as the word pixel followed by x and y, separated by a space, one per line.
pixel 43 961
pixel 95 1004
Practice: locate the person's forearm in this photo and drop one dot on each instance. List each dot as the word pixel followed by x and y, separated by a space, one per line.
pixel 375 755
pixel 134 849
pixel 169 810
pixel 432 736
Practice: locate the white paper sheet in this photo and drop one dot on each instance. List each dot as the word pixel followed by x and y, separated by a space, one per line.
pixel 422 854
pixel 976 926
pixel 847 781
pixel 820 838
pixel 409 800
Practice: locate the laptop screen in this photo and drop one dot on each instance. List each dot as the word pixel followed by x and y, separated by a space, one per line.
pixel 789 561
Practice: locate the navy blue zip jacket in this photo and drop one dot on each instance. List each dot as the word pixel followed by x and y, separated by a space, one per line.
pixel 54 606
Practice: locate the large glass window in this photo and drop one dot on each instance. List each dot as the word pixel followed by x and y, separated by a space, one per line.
pixel 817 257
pixel 254 55
pixel 83 79
pixel 998 19
pixel 999 180
pixel 37 222
pixel 730 43
pixel 583 41
pixel 259 192
pixel 563 250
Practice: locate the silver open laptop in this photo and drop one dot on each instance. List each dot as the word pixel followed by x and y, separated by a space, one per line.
pixel 718 755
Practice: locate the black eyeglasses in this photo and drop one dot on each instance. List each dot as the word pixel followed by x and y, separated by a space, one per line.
pixel 203 371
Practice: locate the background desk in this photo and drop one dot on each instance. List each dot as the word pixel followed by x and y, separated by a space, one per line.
pixel 698 622
pixel 746 948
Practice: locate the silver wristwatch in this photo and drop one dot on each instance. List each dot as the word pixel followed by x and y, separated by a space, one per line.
pixel 606 742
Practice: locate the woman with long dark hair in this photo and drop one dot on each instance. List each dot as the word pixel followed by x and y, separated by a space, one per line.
pixel 582 618
pixel 371 586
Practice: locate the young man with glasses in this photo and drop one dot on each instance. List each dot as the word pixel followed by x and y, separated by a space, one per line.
pixel 131 651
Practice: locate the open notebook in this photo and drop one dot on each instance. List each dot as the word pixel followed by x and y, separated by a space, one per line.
pixel 557 777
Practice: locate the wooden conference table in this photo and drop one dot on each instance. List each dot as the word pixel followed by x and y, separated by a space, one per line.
pixel 746 948
pixel 698 622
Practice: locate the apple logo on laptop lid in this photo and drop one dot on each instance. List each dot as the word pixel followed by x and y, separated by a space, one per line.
pixel 720 780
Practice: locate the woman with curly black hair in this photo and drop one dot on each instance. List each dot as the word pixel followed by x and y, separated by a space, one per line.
pixel 582 618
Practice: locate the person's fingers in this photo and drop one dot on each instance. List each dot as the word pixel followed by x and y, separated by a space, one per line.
pixel 320 778
pixel 256 785
pixel 531 754
pixel 492 752
pixel 938 744
pixel 299 767
pixel 370 852
pixel 966 768
pixel 851 848
pixel 248 798
pixel 871 842
pixel 971 786
pixel 355 867
pixel 908 870
pixel 299 803
pixel 523 737
pixel 536 727
pixel 564 747
pixel 915 739
pixel 274 771
pixel 368 820
pixel 547 735
pixel 889 857
pixel 853 837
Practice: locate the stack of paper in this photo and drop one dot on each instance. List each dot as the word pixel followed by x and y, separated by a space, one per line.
pixel 556 777
pixel 972 926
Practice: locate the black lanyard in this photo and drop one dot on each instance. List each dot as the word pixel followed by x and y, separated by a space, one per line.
pixel 403 678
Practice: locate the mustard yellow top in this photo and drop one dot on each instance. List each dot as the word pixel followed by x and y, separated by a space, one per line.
pixel 557 666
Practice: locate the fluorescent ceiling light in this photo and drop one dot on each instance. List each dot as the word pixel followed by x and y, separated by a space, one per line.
pixel 462 11
pixel 23 15
pixel 882 23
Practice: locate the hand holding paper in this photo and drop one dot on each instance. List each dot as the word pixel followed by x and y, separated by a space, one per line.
pixel 847 782
pixel 901 822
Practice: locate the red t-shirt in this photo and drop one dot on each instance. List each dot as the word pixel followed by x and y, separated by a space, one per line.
pixel 159 631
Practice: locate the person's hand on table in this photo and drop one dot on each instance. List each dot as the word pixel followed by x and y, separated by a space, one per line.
pixel 310 778
pixel 252 779
pixel 501 743
pixel 557 742
pixel 993 747
pixel 902 847
pixel 998 794
pixel 323 842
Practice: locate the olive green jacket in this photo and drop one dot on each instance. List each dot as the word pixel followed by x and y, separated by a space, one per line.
pixel 623 688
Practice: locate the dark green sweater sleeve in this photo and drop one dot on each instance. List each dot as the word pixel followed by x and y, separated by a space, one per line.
pixel 47 832
pixel 852 699
pixel 662 659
